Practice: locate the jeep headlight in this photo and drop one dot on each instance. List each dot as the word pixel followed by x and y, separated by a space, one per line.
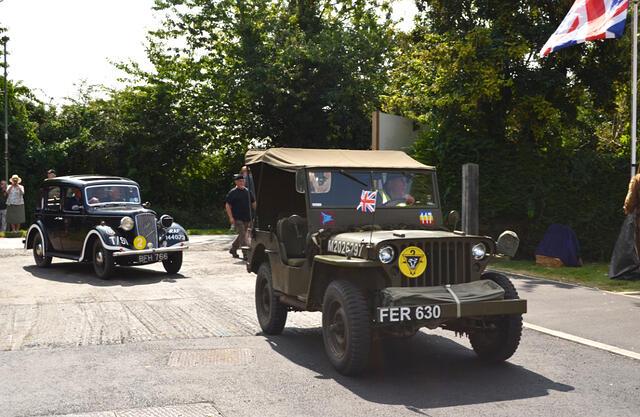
pixel 478 251
pixel 386 254
pixel 126 223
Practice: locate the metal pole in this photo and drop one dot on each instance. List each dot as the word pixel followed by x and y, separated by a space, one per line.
pixel 634 86
pixel 6 114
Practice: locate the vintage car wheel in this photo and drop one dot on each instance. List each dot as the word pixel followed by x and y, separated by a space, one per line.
pixel 499 343
pixel 346 327
pixel 39 251
pixel 272 314
pixel 102 261
pixel 174 263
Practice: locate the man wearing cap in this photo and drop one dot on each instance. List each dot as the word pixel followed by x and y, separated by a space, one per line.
pixel 51 173
pixel 239 204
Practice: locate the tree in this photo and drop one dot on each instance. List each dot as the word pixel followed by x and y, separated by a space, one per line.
pixel 470 73
pixel 304 73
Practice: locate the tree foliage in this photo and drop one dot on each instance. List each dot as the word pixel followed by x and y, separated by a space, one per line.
pixel 548 133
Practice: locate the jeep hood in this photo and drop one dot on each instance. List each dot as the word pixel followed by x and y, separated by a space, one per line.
pixel 382 235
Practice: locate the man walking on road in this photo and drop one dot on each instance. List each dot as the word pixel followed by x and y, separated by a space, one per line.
pixel 239 205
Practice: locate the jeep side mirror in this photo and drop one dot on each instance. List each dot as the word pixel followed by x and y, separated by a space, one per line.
pixel 452 219
pixel 301 181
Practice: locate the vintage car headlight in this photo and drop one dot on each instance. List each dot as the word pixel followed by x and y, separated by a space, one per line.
pixel 478 251
pixel 126 223
pixel 386 254
pixel 166 220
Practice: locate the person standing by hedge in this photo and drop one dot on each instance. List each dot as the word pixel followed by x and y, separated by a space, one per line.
pixel 15 203
pixel 3 206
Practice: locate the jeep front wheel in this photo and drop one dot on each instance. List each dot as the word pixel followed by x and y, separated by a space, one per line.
pixel 499 341
pixel 272 314
pixel 346 327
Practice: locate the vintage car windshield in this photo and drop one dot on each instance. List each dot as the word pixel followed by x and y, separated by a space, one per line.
pixel 330 188
pixel 103 195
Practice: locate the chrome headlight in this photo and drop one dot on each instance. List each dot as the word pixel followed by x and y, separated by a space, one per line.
pixel 479 251
pixel 166 220
pixel 126 223
pixel 386 254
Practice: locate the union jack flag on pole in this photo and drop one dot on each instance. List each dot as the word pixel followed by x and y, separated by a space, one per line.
pixel 367 201
pixel 588 20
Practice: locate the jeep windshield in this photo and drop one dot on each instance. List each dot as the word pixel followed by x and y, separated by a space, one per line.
pixel 112 195
pixel 395 189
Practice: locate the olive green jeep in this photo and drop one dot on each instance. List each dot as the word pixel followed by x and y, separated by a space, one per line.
pixel 360 236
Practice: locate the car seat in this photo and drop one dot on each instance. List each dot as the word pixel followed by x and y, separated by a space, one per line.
pixel 292 235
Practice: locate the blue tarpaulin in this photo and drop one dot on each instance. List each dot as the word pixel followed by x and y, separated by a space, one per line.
pixel 560 242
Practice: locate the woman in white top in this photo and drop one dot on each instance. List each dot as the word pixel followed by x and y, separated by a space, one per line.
pixel 15 203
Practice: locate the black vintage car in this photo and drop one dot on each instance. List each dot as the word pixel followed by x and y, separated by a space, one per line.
pixel 102 219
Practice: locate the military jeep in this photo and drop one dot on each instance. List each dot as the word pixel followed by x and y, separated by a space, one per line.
pixel 360 236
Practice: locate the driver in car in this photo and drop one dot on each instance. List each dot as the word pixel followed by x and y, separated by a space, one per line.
pixel 394 192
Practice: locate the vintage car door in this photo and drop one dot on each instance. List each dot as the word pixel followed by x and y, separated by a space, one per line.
pixel 74 231
pixel 52 216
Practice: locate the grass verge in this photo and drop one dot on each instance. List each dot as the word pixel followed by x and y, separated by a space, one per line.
pixel 21 233
pixel 220 231
pixel 589 275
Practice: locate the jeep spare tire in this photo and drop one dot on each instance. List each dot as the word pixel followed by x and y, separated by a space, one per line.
pixel 346 327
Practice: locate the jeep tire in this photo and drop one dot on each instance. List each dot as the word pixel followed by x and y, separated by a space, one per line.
pixel 173 263
pixel 346 327
pixel 103 264
pixel 500 343
pixel 39 252
pixel 272 314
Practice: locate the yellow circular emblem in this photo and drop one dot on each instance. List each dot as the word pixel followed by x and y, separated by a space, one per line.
pixel 412 262
pixel 139 242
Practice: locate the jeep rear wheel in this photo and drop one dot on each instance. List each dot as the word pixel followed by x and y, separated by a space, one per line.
pixel 501 339
pixel 102 261
pixel 272 314
pixel 346 327
pixel 39 252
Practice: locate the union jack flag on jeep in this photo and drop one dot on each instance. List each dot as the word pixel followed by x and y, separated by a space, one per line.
pixel 588 20
pixel 367 201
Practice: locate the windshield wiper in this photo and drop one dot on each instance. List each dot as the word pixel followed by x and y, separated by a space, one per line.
pixel 353 178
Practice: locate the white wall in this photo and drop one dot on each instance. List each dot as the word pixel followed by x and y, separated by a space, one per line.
pixel 392 132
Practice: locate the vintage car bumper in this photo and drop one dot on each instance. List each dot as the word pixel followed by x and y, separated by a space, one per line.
pixel 445 302
pixel 132 252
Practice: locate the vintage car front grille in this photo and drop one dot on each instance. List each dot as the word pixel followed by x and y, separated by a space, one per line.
pixel 448 262
pixel 146 226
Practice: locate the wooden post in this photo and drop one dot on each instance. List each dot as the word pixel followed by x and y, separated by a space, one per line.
pixel 375 130
pixel 470 192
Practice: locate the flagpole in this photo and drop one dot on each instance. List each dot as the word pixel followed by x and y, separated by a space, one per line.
pixel 634 86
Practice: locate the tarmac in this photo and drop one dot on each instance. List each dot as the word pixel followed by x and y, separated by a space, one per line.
pixel 601 319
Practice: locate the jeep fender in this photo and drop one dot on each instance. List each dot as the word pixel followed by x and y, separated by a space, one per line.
pixel 367 275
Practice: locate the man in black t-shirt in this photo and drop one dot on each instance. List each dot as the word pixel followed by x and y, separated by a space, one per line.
pixel 239 205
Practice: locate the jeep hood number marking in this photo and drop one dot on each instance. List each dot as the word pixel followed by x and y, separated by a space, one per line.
pixel 342 247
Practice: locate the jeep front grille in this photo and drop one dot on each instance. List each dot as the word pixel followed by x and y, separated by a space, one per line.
pixel 448 262
pixel 146 226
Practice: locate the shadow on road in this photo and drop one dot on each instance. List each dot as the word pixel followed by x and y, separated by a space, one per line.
pixel 530 284
pixel 82 273
pixel 425 371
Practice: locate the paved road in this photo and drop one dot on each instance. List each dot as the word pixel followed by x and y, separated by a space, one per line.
pixel 149 344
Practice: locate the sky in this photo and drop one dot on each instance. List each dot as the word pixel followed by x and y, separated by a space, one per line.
pixel 57 44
